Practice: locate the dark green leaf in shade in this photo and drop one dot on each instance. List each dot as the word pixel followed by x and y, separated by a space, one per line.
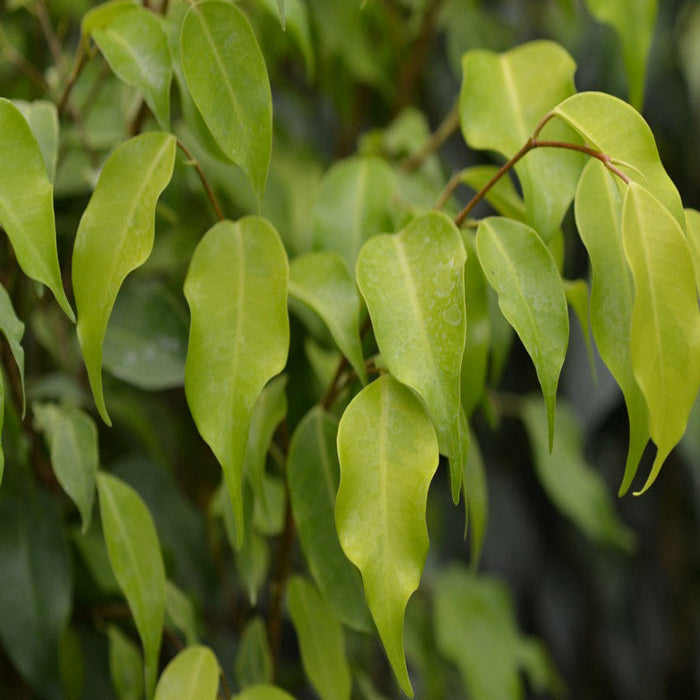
pixel 313 474
pixel 476 498
pixel 227 78
pixel 26 203
pixel 13 330
pixel 71 662
pixel 254 658
pixel 575 488
pixel 93 551
pixel 42 117
pixel 192 675
pixel 413 284
pixel 388 454
pixel 125 665
pixel 521 269
pixel 115 236
pixel 134 553
pixel 236 288
pixel 180 612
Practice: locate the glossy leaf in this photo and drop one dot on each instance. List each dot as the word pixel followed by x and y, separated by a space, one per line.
pixel 502 100
pixel 352 205
pixel 692 222
pixel 598 210
pixel 575 488
pixel 634 21
pixel 313 474
pixel 136 48
pixel 254 657
pixel 227 78
pixel 521 269
pixel 72 438
pixel 321 640
pixel 665 326
pixel 26 203
pixel 617 130
pixel 236 288
pixel 115 236
pixel 413 283
pixel 42 117
pixel 13 330
pixel 322 281
pixel 263 692
pixel 388 454
pixel 180 612
pixel 134 553
pixel 125 665
pixel 192 675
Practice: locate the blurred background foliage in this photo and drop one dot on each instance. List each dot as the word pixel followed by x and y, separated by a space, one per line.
pixel 617 624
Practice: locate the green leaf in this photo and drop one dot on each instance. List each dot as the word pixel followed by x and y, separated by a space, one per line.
pixel 321 640
pixel 598 209
pixel 322 281
pixel 313 474
pixel 634 21
pixel 42 117
pixel 134 553
pixel 72 437
pixel 665 327
pixel 104 14
pixel 575 488
pixel 136 48
pixel 388 455
pixel 26 203
pixel 2 421
pixel 614 128
pixel 352 205
pixel 576 292
pixel 502 196
pixel 227 78
pixel 692 223
pixel 502 100
pixel 125 665
pixel 13 330
pixel 115 236
pixel 413 283
pixel 521 269
pixel 236 288
pixel 263 692
pixel 254 658
pixel 180 612
pixel 192 675
pixel 476 498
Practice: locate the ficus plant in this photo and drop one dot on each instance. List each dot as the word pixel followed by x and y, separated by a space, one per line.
pixel 282 356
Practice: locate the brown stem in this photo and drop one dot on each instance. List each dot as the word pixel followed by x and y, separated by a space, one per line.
pixel 202 177
pixel 448 127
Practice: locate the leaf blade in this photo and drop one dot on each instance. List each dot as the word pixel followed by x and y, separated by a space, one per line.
pixel 192 675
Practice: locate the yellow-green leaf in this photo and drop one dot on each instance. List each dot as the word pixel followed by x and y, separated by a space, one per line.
pixel 192 675
pixel 42 117
pixel 692 222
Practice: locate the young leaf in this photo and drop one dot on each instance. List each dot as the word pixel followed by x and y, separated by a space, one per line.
pixel 192 675
pixel 322 281
pixel 72 436
pixel 115 236
pixel 254 658
pixel 388 455
pixel 575 488
pixel 313 474
pixel 634 21
pixel 13 330
pixel 614 128
pixel 321 640
pixel 502 100
pixel 521 269
pixel 227 78
pixel 263 692
pixel 26 203
pixel 236 289
pixel 598 209
pixel 136 48
pixel 413 283
pixel 665 326
pixel 125 665
pixel 42 117
pixel 134 553
pixel 353 204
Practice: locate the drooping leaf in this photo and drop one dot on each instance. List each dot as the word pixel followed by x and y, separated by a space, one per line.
pixel 692 222
pixel 134 553
pixel 72 437
pixel 322 281
pixel 475 498
pixel 614 128
pixel 574 487
pixel 598 209
pixel 192 675
pixel 313 474
pixel 413 283
pixel 263 692
pixel 180 613
pixel 388 454
pixel 42 117
pixel 576 292
pixel 352 205
pixel 502 100
pixel 503 196
pixel 254 657
pixel 521 269
pixel 634 21
pixel 93 553
pixel 227 78
pixel 26 203
pixel 321 640
pixel 115 236
pixel 665 326
pixel 13 330
pixel 125 665
pixel 136 48
pixel 236 288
